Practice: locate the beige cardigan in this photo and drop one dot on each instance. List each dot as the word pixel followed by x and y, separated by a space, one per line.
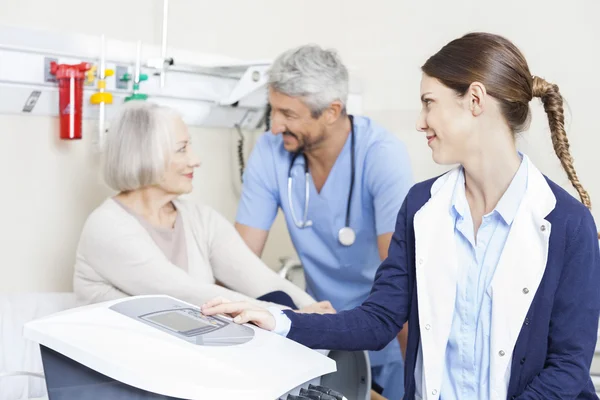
pixel 116 257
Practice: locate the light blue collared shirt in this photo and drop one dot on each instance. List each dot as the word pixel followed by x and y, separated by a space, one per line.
pixel 467 366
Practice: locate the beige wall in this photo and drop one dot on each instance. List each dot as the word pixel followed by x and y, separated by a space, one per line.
pixel 50 187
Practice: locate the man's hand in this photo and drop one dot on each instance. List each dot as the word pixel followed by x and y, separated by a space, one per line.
pixel 242 312
pixel 321 307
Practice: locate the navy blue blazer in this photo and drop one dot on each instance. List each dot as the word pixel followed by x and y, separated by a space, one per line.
pixel 554 349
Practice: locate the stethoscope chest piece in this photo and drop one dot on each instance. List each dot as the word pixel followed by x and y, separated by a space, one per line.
pixel 347 236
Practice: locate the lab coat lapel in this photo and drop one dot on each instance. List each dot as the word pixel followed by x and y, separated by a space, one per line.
pixel 436 272
pixel 518 276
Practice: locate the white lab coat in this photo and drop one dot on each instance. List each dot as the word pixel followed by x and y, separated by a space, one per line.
pixel 516 280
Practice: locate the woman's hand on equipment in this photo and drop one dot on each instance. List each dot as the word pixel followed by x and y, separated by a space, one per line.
pixel 242 312
pixel 321 307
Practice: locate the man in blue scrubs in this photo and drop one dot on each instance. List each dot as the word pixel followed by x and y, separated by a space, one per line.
pixel 340 181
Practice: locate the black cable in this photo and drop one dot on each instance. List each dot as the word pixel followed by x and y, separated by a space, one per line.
pixel 240 145
pixel 240 151
pixel 268 117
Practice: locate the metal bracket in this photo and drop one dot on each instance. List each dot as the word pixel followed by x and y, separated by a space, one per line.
pixel 161 65
pixel 254 78
pixel 288 265
pixel 48 77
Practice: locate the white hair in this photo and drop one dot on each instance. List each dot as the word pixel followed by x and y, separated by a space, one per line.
pixel 316 75
pixel 139 144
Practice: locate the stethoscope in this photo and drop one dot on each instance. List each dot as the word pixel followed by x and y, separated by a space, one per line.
pixel 346 235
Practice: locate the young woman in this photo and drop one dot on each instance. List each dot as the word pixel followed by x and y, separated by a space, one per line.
pixel 494 266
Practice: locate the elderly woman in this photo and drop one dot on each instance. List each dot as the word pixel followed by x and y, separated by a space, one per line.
pixel 147 240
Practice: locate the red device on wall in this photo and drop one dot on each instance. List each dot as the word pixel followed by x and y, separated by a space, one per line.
pixel 70 87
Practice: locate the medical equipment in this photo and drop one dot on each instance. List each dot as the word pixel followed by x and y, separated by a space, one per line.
pixel 346 235
pixel 70 83
pixel 146 347
pixel 138 77
pixel 102 97
pixel 208 90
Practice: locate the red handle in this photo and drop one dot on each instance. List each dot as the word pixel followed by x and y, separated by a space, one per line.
pixel 62 71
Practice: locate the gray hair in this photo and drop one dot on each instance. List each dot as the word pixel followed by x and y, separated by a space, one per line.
pixel 316 75
pixel 138 145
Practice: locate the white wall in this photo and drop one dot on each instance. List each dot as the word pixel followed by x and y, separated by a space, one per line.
pixel 49 187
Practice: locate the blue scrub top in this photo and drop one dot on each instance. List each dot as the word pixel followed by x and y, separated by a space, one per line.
pixel 343 275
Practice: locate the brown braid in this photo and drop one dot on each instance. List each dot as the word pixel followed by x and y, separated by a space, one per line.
pixel 553 104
